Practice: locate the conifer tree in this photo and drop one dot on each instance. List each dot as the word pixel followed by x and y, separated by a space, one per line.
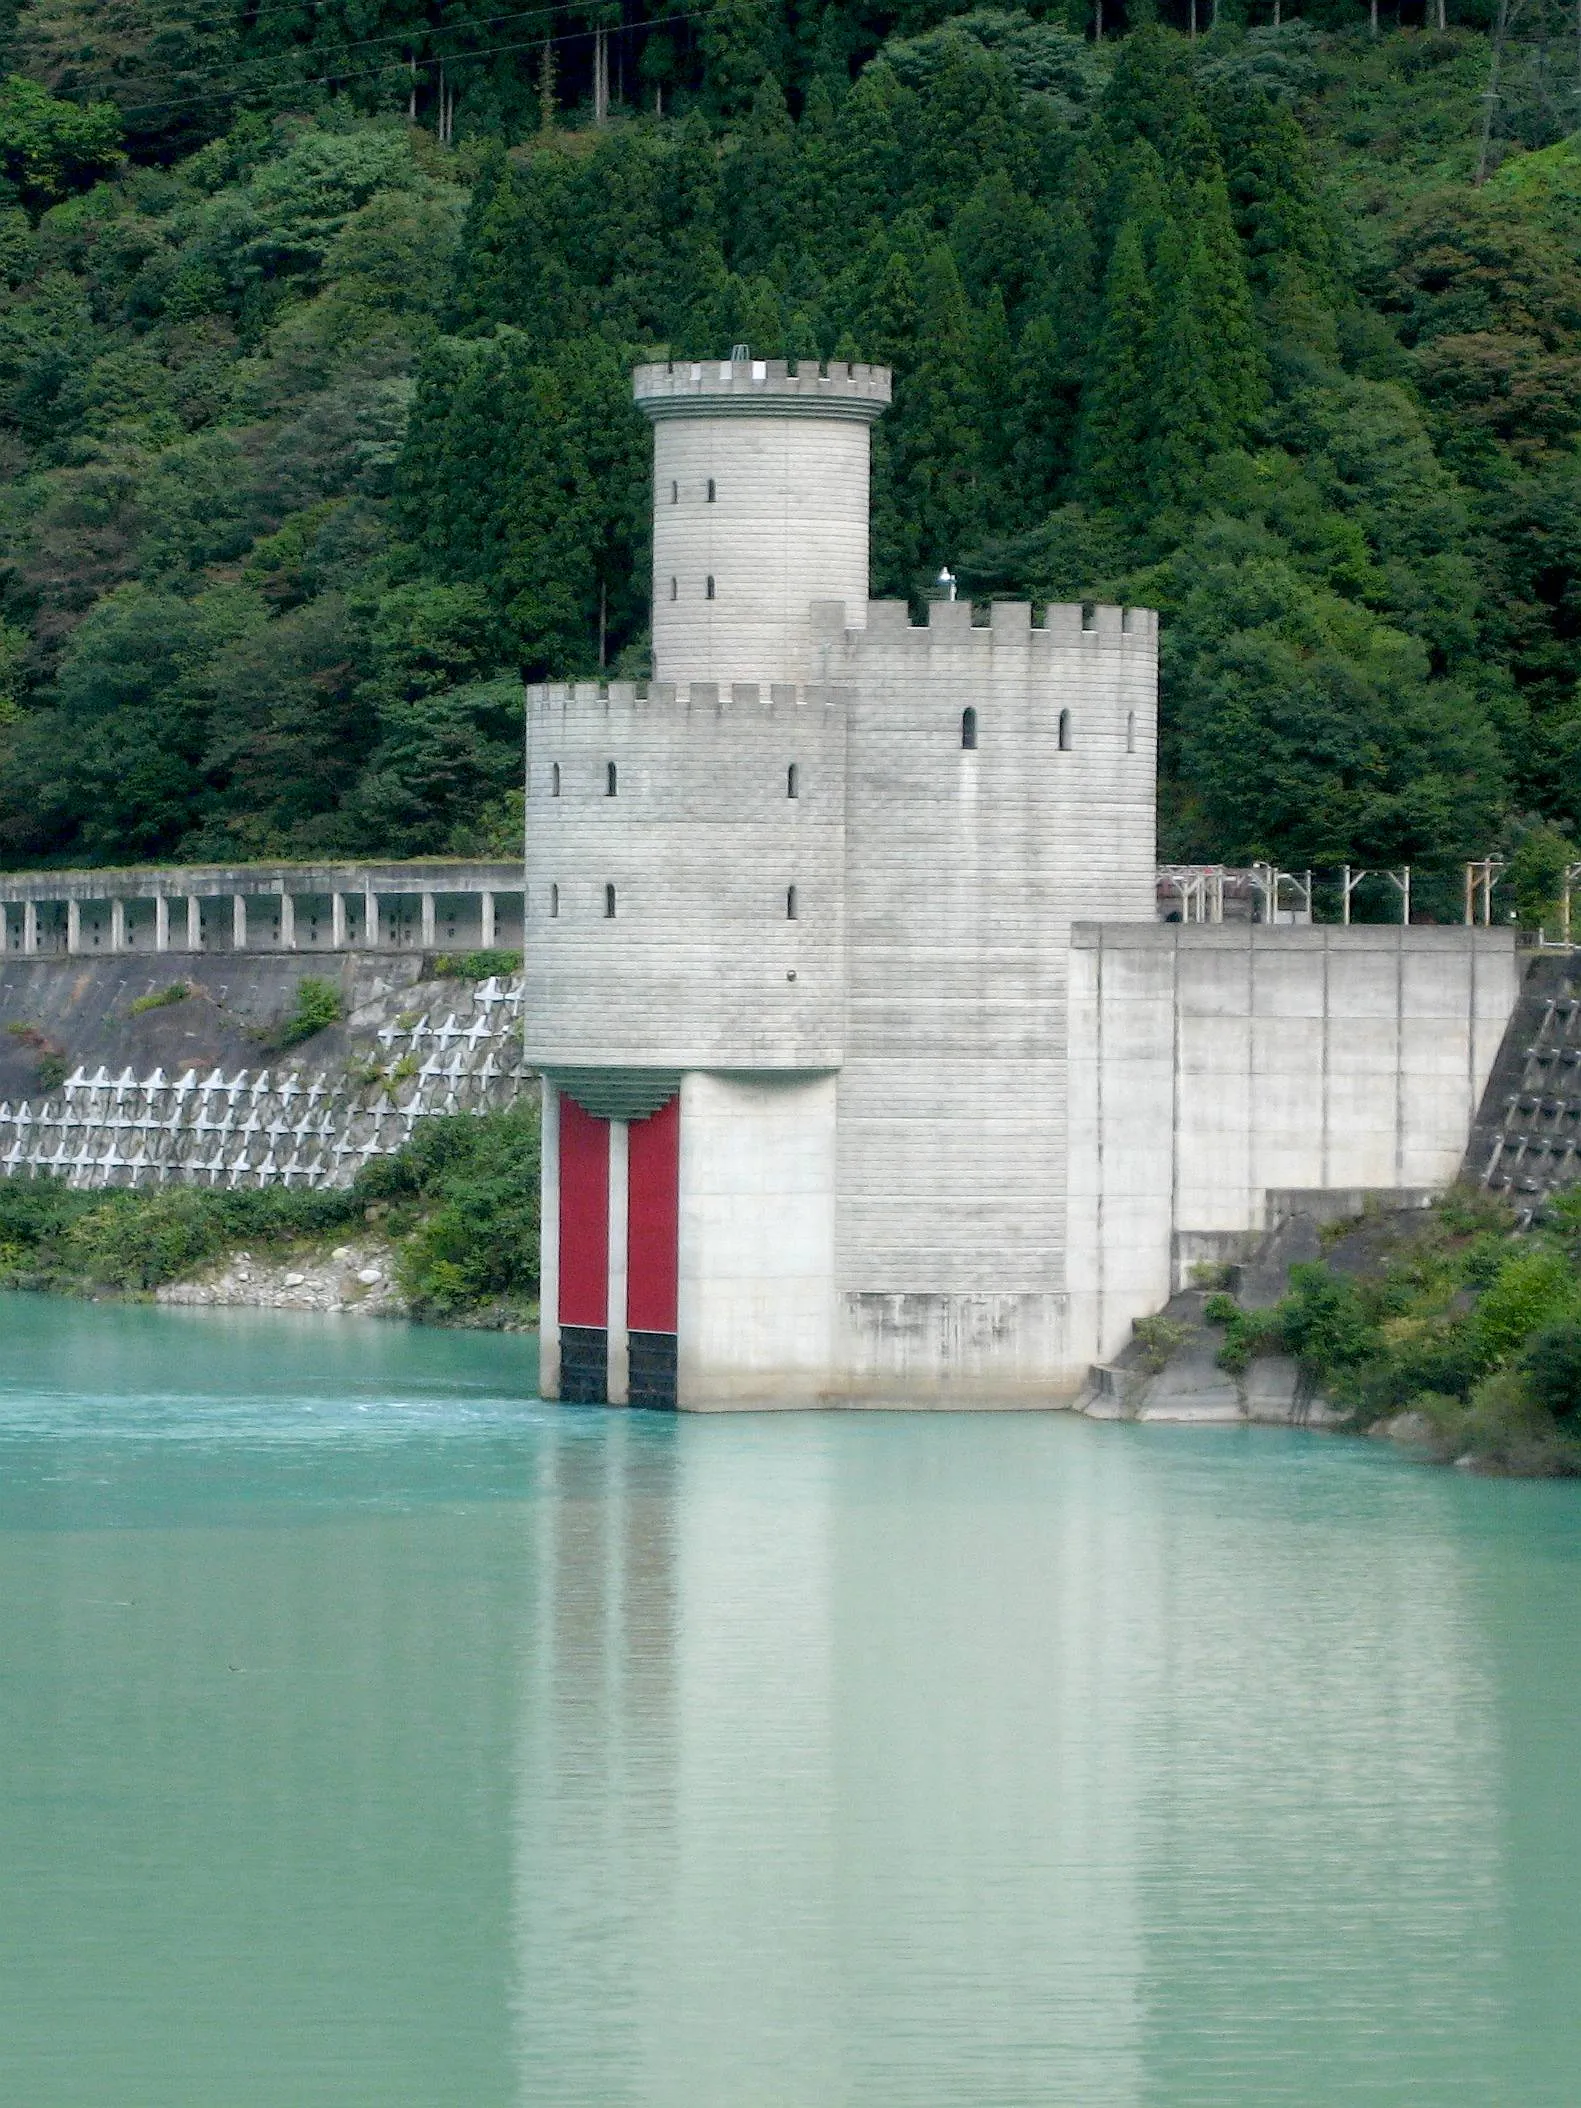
pixel 935 445
pixel 1275 204
pixel 760 183
pixel 1224 309
pixel 1188 419
pixel 994 399
pixel 740 45
pixel 1117 402
pixel 1051 359
pixel 868 153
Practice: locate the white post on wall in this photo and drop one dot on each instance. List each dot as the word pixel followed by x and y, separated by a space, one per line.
pixel 370 918
pixel 1401 882
pixel 161 922
pixel 194 923
pixel 239 922
pixel 549 1247
pixel 117 925
pixel 287 921
pixel 428 920
pixel 619 1335
pixel 29 928
pixel 1351 880
pixel 74 925
pixel 486 919
pixel 337 920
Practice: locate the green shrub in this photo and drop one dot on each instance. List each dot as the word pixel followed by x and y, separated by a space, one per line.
pixel 1158 1338
pixel 463 1194
pixel 1247 1333
pixel 52 1071
pixel 476 966
pixel 480 1244
pixel 1504 1428
pixel 160 998
pixel 318 1005
pixel 1535 1287
pixel 1551 1366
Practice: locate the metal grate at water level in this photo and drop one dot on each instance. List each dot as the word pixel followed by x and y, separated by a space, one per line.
pixel 1527 1139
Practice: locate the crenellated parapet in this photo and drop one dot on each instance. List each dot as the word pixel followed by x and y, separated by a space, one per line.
pixel 603 701
pixel 721 387
pixel 1084 625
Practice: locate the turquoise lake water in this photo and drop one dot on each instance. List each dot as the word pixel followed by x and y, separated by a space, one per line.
pixel 370 1734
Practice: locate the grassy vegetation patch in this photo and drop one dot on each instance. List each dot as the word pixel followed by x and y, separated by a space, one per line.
pixel 159 998
pixel 318 1005
pixel 1456 1318
pixel 475 966
pixel 460 1202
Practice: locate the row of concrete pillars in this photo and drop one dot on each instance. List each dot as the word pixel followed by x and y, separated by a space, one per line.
pixel 195 922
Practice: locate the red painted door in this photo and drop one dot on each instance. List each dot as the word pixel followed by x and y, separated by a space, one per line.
pixel 653 1213
pixel 584 1216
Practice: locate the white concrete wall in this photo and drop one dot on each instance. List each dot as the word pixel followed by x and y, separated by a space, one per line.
pixel 788 526
pixel 963 871
pixel 756 1288
pixel 701 965
pixel 1212 1065
pixel 787 456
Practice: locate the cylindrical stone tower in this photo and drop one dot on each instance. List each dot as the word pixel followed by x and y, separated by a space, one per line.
pixel 760 507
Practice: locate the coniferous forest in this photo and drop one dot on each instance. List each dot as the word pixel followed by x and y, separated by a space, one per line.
pixel 315 430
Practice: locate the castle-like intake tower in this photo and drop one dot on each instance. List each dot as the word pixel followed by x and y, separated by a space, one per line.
pixel 869 1075
pixel 760 504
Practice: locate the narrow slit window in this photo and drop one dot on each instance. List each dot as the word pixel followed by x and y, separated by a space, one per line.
pixel 554 780
pixel 1089 614
pixel 674 590
pixel 1130 731
pixel 554 902
pixel 969 729
pixel 609 903
pixel 609 780
pixel 675 494
pixel 792 782
pixel 1064 731
pixel 1125 619
pixel 790 903
pixel 710 490
pixel 710 587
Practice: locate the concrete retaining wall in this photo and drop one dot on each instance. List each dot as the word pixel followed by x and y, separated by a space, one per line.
pixel 218 1109
pixel 1212 1064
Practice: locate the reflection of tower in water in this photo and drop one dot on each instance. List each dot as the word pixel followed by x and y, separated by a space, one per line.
pixel 597 1761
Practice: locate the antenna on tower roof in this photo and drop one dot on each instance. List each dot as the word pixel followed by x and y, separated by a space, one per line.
pixel 740 354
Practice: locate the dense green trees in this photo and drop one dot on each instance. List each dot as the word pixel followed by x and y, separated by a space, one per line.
pixel 315 431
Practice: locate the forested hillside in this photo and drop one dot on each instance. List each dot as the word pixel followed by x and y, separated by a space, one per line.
pixel 314 408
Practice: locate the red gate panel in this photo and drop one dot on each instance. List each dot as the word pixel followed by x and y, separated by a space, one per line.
pixel 584 1216
pixel 653 1218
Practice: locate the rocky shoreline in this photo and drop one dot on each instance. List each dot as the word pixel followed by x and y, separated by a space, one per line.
pixel 356 1279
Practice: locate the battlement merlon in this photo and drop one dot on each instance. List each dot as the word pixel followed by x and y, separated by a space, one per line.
pixel 761 388
pixel 603 699
pixel 1010 622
